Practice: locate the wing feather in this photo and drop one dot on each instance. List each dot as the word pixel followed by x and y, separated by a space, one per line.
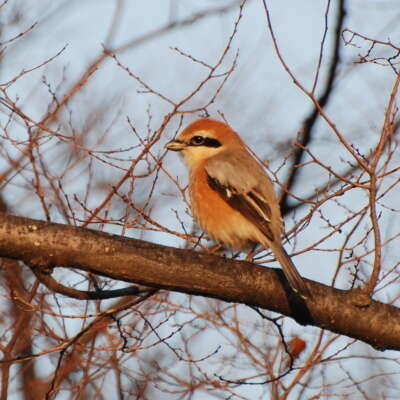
pixel 248 193
pixel 250 204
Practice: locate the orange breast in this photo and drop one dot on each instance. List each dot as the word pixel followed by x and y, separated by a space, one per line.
pixel 214 215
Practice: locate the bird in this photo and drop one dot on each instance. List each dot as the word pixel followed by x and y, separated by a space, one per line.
pixel 232 197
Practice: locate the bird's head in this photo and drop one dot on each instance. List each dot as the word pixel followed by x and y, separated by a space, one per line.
pixel 204 139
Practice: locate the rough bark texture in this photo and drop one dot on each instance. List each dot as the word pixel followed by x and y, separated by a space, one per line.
pixel 46 244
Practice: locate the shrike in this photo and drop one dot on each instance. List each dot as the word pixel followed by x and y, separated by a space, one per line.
pixel 232 198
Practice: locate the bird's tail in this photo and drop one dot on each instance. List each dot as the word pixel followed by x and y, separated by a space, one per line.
pixel 295 280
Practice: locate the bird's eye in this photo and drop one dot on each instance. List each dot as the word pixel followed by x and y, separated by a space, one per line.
pixel 197 140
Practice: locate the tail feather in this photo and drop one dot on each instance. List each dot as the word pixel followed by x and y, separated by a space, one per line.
pixel 295 280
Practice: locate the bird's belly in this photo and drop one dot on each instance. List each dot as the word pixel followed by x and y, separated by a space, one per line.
pixel 222 223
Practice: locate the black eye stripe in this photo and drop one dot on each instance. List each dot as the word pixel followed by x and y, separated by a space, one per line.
pixel 207 141
pixel 210 142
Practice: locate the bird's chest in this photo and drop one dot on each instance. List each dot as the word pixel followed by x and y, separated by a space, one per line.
pixel 215 216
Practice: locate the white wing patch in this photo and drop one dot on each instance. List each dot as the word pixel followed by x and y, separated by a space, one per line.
pixel 259 210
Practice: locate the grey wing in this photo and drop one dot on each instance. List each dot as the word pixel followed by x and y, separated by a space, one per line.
pixel 237 170
pixel 250 192
pixel 243 190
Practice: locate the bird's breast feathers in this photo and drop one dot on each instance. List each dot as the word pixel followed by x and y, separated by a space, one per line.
pixel 229 216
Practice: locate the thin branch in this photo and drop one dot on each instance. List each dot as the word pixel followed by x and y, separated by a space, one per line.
pixel 323 99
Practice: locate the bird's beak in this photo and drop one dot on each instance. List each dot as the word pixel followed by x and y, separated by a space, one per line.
pixel 175 145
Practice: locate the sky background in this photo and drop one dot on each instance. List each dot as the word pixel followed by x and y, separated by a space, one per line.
pixel 259 100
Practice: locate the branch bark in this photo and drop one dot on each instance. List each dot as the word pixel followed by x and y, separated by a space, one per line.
pixel 45 244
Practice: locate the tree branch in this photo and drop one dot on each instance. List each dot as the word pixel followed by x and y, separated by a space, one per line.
pixel 309 122
pixel 42 244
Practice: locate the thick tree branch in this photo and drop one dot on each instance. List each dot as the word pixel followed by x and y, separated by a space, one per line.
pixel 49 244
